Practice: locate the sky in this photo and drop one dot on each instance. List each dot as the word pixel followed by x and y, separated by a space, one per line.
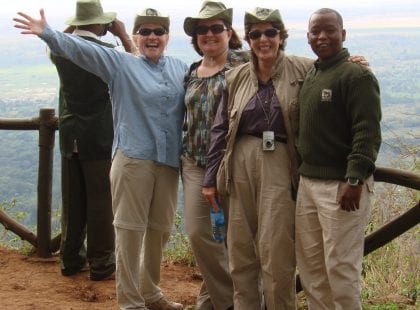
pixel 356 13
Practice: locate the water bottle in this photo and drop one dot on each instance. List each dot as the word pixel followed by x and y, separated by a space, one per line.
pixel 218 223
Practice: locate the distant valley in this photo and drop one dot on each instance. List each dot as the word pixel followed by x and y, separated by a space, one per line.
pixel 28 81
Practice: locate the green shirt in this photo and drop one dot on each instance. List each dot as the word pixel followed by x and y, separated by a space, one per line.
pixel 339 126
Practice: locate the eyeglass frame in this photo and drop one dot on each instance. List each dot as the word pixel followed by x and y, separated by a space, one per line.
pixel 215 29
pixel 154 31
pixel 269 33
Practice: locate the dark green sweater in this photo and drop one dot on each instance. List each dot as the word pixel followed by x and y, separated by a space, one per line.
pixel 85 111
pixel 339 126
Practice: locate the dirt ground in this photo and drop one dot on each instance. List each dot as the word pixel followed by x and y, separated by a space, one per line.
pixel 31 283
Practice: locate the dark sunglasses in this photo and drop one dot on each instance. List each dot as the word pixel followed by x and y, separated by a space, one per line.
pixel 147 31
pixel 215 29
pixel 269 33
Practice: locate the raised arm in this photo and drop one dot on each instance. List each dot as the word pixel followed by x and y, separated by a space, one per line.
pixel 81 52
pixel 118 29
pixel 29 24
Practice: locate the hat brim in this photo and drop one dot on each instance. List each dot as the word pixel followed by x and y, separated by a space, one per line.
pixel 274 17
pixel 106 18
pixel 190 22
pixel 140 20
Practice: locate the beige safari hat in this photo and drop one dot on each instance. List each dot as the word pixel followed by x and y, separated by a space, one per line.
pixel 209 10
pixel 150 16
pixel 262 15
pixel 90 12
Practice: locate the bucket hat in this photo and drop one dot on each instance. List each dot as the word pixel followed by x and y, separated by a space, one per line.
pixel 262 15
pixel 209 10
pixel 90 12
pixel 150 16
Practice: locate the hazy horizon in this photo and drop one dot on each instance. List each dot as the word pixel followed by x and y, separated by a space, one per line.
pixel 356 13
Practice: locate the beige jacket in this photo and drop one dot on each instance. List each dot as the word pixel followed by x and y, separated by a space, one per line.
pixel 288 75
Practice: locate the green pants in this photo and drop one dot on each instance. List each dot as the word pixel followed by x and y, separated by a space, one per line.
pixel 86 213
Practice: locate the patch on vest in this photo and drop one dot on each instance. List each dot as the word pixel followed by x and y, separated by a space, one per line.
pixel 326 95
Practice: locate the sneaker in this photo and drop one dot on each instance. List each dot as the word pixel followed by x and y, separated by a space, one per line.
pixel 164 304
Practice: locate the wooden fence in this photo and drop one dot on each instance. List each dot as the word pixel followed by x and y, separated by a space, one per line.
pixel 46 124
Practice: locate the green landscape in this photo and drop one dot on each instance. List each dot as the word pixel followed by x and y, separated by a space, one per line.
pixel 28 82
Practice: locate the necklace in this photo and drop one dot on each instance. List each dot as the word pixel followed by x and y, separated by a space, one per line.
pixel 269 103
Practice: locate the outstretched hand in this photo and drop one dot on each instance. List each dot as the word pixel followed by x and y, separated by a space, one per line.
pixel 29 24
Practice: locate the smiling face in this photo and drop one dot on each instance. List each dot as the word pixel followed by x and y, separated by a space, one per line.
pixel 265 47
pixel 325 35
pixel 210 43
pixel 152 46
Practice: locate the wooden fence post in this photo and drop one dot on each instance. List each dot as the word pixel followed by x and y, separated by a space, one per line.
pixel 45 171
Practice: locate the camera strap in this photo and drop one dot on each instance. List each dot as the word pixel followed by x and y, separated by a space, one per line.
pixel 267 103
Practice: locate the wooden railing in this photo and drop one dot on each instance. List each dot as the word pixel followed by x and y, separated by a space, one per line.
pixel 46 124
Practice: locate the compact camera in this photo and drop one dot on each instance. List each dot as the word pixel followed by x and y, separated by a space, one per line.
pixel 268 141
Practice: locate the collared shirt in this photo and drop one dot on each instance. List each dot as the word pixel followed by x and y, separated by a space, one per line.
pixel 262 113
pixel 147 97
pixel 85 33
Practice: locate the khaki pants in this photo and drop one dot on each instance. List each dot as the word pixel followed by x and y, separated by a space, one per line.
pixel 144 200
pixel 211 256
pixel 329 244
pixel 261 227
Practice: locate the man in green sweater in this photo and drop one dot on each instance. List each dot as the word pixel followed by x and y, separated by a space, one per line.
pixel 339 139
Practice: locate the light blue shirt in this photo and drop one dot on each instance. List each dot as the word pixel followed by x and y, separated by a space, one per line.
pixel 147 98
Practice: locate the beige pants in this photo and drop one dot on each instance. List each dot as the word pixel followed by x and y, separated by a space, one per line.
pixel 329 244
pixel 144 199
pixel 211 256
pixel 261 227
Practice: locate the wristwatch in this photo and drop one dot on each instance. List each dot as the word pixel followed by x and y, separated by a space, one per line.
pixel 354 181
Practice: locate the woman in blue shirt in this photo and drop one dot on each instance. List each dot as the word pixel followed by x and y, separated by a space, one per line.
pixel 147 99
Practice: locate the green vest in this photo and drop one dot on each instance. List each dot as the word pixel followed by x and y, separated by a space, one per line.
pixel 85 112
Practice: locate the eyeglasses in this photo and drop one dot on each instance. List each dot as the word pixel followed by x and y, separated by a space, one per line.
pixel 147 31
pixel 269 33
pixel 215 29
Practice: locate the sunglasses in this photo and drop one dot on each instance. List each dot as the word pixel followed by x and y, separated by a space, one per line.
pixel 215 29
pixel 147 31
pixel 269 33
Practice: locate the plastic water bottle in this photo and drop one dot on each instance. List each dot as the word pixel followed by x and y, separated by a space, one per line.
pixel 218 223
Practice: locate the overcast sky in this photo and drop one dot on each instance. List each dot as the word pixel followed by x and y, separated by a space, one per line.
pixel 356 13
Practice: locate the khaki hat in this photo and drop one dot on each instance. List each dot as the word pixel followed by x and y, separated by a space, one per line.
pixel 150 16
pixel 90 12
pixel 209 10
pixel 262 15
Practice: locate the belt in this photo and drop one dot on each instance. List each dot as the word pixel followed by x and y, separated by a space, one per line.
pixel 278 139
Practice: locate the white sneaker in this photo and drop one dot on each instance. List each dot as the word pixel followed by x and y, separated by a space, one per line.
pixel 164 304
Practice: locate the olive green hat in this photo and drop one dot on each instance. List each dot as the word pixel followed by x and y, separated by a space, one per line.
pixel 90 12
pixel 209 10
pixel 150 16
pixel 262 15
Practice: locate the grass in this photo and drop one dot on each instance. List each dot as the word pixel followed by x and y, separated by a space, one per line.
pixel 178 249
pixel 391 277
